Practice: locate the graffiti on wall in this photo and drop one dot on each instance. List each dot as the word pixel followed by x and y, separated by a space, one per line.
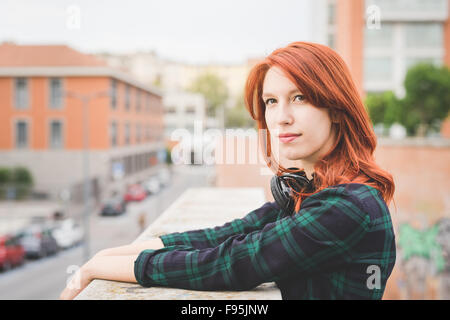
pixel 425 258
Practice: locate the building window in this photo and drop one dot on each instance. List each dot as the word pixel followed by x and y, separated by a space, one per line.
pixel 190 109
pixel 171 109
pixel 138 133
pixel 128 165
pixel 138 100
pixel 382 38
pixel 378 69
pixel 127 134
pixel 424 35
pixel 21 134
pixel 21 93
pixel 56 134
pixel 113 134
pixel 56 93
pixel 127 97
pixel 113 94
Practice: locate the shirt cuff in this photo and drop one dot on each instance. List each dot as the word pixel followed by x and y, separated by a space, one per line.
pixel 139 267
pixel 171 239
pixel 143 270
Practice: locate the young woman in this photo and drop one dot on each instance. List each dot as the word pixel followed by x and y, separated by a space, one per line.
pixel 338 243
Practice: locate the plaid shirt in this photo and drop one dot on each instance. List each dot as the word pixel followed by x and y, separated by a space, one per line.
pixel 340 245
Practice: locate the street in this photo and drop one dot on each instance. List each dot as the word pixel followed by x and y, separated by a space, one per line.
pixel 46 278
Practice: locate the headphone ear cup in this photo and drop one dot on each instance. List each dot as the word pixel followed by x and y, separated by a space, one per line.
pixel 282 198
pixel 282 188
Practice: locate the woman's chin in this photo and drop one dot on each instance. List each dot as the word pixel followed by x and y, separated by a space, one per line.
pixel 292 155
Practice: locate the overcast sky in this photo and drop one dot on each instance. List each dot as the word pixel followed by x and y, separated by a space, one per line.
pixel 193 31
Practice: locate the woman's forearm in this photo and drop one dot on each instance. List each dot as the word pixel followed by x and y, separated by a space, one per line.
pixel 116 268
pixel 132 249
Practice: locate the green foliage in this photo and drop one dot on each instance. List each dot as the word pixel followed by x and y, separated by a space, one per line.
pixel 427 96
pixel 22 176
pixel 5 175
pixel 425 105
pixel 157 82
pixel 168 156
pixel 238 116
pixel 384 108
pixel 213 89
pixel 17 180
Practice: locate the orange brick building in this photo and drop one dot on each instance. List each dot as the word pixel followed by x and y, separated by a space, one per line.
pixel 43 124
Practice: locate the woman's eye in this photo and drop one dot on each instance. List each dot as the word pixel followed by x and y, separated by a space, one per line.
pixel 267 101
pixel 302 97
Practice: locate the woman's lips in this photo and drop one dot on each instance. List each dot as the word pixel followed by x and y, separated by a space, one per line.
pixel 288 139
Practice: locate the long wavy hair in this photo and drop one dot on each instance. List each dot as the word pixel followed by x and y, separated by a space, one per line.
pixel 325 81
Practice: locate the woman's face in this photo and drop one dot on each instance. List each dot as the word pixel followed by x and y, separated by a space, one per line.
pixel 288 113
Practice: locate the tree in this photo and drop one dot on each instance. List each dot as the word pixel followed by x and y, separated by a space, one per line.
pixel 427 99
pixel 22 176
pixel 23 181
pixel 157 82
pixel 384 108
pixel 425 105
pixel 213 89
pixel 5 179
pixel 238 116
pixel 5 175
pixel 17 181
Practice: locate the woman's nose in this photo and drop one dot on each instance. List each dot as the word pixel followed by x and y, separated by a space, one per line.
pixel 284 115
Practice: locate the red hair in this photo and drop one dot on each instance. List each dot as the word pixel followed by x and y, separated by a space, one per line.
pixel 325 81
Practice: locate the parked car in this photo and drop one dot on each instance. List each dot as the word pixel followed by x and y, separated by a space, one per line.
pixel 68 234
pixel 135 193
pixel 12 252
pixel 38 242
pixel 152 185
pixel 113 206
pixel 164 176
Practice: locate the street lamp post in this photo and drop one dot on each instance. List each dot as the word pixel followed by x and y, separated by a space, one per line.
pixel 85 99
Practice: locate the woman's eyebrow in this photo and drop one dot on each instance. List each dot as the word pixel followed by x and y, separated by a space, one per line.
pixel 267 94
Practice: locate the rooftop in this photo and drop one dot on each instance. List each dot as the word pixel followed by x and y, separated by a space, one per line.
pixel 13 55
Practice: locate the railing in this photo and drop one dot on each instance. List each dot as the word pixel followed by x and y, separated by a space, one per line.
pixel 195 209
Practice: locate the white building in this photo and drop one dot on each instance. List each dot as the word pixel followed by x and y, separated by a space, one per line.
pixel 182 110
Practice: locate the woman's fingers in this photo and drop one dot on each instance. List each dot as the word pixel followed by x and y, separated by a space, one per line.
pixel 76 284
pixel 69 294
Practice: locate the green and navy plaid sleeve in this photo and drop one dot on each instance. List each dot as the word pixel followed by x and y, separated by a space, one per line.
pixel 212 237
pixel 320 238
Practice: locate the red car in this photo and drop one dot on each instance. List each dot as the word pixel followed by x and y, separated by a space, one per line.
pixel 12 252
pixel 135 193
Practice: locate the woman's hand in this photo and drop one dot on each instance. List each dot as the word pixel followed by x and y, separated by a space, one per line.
pixel 77 283
pixel 106 267
pixel 109 264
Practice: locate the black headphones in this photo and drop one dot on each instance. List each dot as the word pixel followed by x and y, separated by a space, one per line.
pixel 282 188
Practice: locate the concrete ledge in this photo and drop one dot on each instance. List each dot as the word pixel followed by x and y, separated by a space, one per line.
pixel 196 208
